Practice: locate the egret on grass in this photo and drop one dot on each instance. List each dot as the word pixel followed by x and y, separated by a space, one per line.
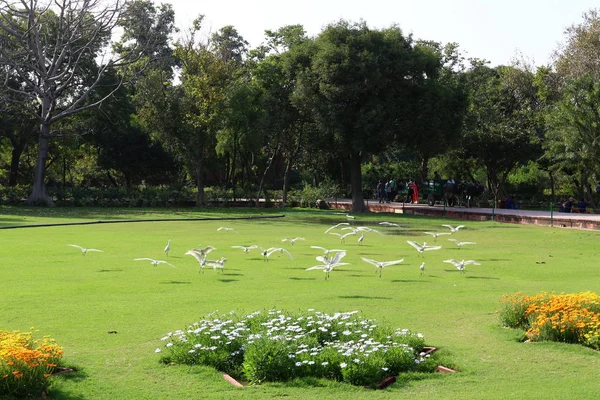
pixel 292 240
pixel 460 265
pixel 329 265
pixel 453 229
pixel 336 226
pixel 346 215
pixel 216 264
pixel 200 258
pixel 361 238
pixel 167 247
pixel 421 248
pixel 223 228
pixel 154 262
pixel 245 248
pixel 422 267
pixel 381 264
pixel 459 243
pixel 83 249
pixel 436 234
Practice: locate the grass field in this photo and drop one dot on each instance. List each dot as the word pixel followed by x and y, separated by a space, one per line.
pixel 78 299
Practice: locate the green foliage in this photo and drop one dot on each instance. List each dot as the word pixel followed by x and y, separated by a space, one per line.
pixel 279 346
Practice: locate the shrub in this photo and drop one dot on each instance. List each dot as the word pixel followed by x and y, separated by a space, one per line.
pixel 570 318
pixel 26 363
pixel 278 346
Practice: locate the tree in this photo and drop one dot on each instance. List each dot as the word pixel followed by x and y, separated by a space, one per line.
pixel 51 49
pixel 357 89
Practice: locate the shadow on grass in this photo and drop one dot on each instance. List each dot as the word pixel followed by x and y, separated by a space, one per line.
pixel 175 283
pixel 365 297
pixel 110 270
pixel 302 279
pixel 228 280
pixel 360 276
pixel 406 280
pixel 228 274
pixel 483 277
pixel 494 259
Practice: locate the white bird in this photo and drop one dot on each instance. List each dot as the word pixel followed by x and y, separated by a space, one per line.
pixel 154 262
pixel 203 251
pixel 422 247
pixel 329 265
pixel 436 234
pixel 381 264
pixel 200 258
pixel 422 267
pixel 267 252
pixel 245 248
pixel 344 236
pixel 346 215
pixel 452 229
pixel 361 238
pixel 167 248
pixel 336 226
pixel 216 264
pixel 223 228
pixel 460 265
pixel 459 243
pixel 327 251
pixel 292 240
pixel 83 249
pixel 385 223
pixel 367 229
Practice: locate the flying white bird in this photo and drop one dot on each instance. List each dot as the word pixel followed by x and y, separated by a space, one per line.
pixel 292 240
pixel 154 262
pixel 422 267
pixel 267 252
pixel 83 249
pixel 245 248
pixel 216 264
pixel 336 226
pixel 367 229
pixel 459 243
pixel 422 247
pixel 327 251
pixel 452 229
pixel 385 223
pixel 167 248
pixel 329 265
pixel 460 265
pixel 203 251
pixel 344 236
pixel 436 234
pixel 223 228
pixel 200 258
pixel 381 264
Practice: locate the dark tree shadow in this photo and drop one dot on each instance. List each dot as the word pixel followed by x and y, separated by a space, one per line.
pixel 228 280
pixel 175 283
pixel 110 270
pixel 302 279
pixel 365 297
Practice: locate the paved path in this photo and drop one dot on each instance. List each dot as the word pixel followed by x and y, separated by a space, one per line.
pixel 567 220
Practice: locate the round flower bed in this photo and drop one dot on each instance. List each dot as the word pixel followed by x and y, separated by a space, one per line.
pixel 277 345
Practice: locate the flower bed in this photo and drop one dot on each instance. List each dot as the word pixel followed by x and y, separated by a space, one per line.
pixel 571 318
pixel 278 346
pixel 26 363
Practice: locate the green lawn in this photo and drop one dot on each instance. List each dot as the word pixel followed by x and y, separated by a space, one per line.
pixel 78 299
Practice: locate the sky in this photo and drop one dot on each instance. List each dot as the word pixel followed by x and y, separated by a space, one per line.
pixel 496 30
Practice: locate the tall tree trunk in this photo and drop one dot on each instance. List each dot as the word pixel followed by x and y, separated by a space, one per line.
pixel 358 202
pixel 262 180
pixel 424 171
pixel 286 181
pixel 39 195
pixel 14 163
pixel 200 201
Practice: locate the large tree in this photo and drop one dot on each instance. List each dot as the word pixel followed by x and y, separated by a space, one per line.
pixel 359 85
pixel 52 49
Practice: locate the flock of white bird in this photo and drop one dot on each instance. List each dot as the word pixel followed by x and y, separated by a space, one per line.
pixel 328 261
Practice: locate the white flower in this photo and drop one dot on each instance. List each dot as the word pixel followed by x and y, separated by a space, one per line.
pixel 343 365
pixel 158 350
pixel 311 362
pixel 385 369
pixel 169 344
pixel 346 333
pixel 324 363
pixel 419 335
pixel 298 364
pixel 356 360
